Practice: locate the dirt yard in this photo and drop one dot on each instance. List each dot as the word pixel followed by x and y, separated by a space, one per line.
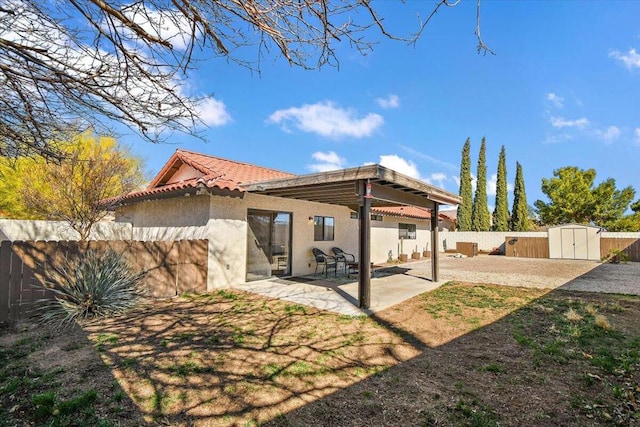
pixel 537 273
pixel 463 354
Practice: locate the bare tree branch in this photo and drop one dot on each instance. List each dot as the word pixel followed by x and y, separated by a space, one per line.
pixel 67 64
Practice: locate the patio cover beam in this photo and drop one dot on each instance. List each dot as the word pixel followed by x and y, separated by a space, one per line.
pixel 361 188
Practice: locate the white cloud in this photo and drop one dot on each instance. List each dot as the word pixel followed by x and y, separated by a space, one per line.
pixel 437 178
pixel 416 153
pixel 556 100
pixel 327 120
pixel 560 122
pixel 609 135
pixel 492 184
pixel 630 59
pixel 398 164
pixel 557 138
pixel 213 112
pixel 169 25
pixel 391 101
pixel 637 133
pixel 326 162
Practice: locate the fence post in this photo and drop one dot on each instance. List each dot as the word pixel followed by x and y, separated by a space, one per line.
pixel 5 285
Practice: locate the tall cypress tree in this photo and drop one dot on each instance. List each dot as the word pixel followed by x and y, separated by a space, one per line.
pixel 464 209
pixel 480 218
pixel 520 214
pixel 501 211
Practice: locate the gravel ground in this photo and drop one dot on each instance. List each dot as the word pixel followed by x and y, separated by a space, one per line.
pixel 591 276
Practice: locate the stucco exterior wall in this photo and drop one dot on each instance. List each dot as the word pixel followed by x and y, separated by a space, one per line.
pixel 620 234
pixel 302 262
pixel 184 211
pixel 385 238
pixel 223 221
pixel 13 229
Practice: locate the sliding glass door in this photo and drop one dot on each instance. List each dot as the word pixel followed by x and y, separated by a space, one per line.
pixel 268 244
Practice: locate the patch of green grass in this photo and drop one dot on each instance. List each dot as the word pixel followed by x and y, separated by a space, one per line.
pixel 129 362
pixel 44 404
pixel 77 410
pixel 188 368
pixel 77 404
pixel 355 338
pixel 272 369
pixel 300 369
pixel 572 331
pixel 292 309
pixel 229 295
pixel 103 339
pixel 348 318
pixel 493 367
pixel 475 414
pixel 450 300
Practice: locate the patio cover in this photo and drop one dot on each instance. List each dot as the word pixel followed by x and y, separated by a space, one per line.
pixel 361 188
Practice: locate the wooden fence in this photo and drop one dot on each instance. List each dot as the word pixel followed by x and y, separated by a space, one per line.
pixel 630 246
pixel 170 268
pixel 526 247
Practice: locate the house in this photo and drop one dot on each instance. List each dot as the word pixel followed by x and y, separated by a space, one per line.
pixel 448 220
pixel 262 222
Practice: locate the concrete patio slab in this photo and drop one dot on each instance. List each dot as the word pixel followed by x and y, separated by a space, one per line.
pixel 395 284
pixel 339 297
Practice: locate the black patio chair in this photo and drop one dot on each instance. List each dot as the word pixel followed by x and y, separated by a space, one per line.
pixel 343 257
pixel 327 262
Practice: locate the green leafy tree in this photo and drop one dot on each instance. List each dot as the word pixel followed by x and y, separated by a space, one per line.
pixel 501 211
pixel 464 209
pixel 573 198
pixel 94 168
pixel 11 201
pixel 520 220
pixel 480 218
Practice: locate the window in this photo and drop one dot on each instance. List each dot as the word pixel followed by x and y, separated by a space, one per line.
pixel 374 217
pixel 406 231
pixel 323 227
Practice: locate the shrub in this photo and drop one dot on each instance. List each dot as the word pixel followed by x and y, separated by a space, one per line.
pixel 616 256
pixel 93 285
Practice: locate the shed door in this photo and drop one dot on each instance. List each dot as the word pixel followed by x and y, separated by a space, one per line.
pixel 581 243
pixel 575 244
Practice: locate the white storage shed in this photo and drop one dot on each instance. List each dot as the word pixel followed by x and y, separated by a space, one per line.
pixel 574 241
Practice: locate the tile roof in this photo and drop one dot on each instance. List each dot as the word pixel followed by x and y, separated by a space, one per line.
pixel 216 173
pixel 406 211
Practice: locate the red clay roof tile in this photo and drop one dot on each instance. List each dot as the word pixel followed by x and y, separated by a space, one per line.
pixel 406 211
pixel 216 173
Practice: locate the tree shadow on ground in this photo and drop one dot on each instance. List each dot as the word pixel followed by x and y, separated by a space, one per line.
pixel 561 357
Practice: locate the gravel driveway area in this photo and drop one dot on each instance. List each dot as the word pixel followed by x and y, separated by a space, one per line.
pixel 591 276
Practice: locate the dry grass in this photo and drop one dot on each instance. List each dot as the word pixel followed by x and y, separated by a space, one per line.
pixel 573 316
pixel 463 354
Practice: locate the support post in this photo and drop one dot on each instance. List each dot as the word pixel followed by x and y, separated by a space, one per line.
pixel 364 267
pixel 435 268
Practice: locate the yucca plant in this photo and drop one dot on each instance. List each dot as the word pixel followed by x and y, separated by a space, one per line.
pixel 93 285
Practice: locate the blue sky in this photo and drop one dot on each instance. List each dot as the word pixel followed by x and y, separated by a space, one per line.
pixel 562 90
